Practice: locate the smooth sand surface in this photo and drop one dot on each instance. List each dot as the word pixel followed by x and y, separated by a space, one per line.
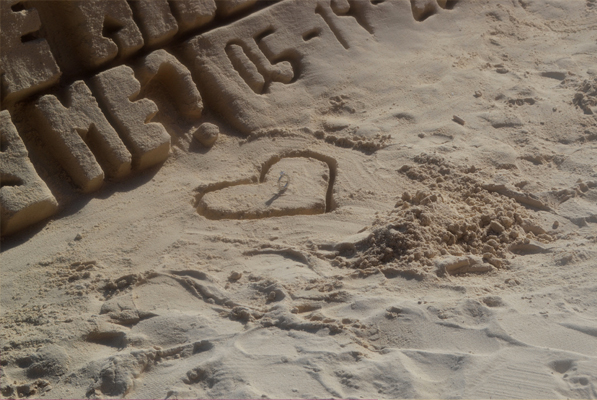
pixel 437 238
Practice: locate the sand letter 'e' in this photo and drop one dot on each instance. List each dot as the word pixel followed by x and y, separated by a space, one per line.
pixel 148 142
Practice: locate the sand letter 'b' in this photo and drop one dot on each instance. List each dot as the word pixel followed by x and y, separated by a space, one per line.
pixel 72 132
pixel 149 142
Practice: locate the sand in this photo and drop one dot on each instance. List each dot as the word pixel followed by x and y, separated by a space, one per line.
pixel 436 239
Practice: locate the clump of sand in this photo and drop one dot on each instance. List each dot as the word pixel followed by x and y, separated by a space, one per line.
pixel 454 216
pixel 586 97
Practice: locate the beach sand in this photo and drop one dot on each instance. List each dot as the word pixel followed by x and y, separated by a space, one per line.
pixel 437 237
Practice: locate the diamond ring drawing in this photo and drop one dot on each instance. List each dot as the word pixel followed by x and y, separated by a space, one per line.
pixel 283 181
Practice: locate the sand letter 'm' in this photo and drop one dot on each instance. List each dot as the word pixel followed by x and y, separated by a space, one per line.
pixel 74 130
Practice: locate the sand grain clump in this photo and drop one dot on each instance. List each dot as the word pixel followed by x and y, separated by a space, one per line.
pixel 453 216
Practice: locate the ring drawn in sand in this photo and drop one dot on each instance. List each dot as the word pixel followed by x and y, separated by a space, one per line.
pixel 283 181
pixel 273 196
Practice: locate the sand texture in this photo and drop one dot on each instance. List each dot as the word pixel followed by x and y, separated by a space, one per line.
pixel 298 199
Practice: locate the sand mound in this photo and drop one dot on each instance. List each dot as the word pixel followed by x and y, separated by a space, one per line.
pixel 456 216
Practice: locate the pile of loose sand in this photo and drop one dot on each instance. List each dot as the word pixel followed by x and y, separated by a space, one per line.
pixel 455 216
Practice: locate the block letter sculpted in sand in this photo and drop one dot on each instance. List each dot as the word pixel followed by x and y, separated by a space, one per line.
pixel 229 7
pixel 175 78
pixel 27 64
pixel 24 197
pixel 98 31
pixel 250 71
pixel 72 131
pixel 192 14
pixel 148 141
pixel 155 21
pixel 245 67
pixel 254 67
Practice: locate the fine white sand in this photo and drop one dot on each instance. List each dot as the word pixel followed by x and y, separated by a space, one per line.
pixel 411 256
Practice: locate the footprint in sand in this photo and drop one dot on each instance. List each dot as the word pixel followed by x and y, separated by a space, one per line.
pixel 305 193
